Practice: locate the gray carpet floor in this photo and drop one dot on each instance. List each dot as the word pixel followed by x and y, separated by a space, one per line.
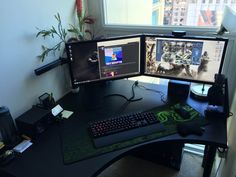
pixel 130 166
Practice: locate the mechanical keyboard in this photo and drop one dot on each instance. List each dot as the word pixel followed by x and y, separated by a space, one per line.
pixel 124 127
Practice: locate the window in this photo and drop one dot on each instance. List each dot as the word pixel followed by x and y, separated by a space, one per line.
pixel 197 13
pixel 155 1
pixel 155 18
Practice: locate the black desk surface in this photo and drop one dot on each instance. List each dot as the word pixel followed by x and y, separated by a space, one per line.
pixel 44 158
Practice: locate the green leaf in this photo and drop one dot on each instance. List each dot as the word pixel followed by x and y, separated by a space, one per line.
pixel 64 33
pixel 53 30
pixel 57 16
pixel 43 47
pixel 44 33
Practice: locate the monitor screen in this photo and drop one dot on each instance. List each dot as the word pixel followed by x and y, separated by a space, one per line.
pixel 107 59
pixel 195 59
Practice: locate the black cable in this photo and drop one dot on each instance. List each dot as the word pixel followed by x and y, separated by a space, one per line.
pixel 115 94
pixel 128 100
pixel 131 99
pixel 133 94
pixel 156 91
pixel 231 114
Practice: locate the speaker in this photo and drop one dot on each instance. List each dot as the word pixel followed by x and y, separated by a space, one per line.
pixel 178 90
pixel 34 122
pixel 8 131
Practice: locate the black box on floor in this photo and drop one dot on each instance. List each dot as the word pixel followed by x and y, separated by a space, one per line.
pixel 34 122
pixel 168 154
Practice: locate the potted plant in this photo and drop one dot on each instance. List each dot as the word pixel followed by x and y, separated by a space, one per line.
pixel 80 31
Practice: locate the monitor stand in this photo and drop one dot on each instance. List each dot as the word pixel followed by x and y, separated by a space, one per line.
pixel 92 94
pixel 199 92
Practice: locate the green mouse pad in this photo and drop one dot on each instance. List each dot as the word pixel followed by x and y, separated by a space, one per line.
pixel 78 145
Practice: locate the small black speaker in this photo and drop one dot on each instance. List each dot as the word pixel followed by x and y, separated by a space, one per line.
pixel 8 131
pixel 178 90
pixel 34 122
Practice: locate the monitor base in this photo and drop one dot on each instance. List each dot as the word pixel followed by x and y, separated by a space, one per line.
pixel 199 92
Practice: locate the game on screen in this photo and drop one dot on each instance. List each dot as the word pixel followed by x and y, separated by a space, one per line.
pixel 192 59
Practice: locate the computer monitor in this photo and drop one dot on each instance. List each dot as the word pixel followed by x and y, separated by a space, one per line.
pixel 195 59
pixel 106 59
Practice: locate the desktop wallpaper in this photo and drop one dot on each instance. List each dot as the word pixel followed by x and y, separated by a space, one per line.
pixel 113 55
pixel 85 66
pixel 183 58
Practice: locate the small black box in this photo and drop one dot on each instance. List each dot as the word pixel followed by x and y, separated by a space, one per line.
pixel 34 121
pixel 178 90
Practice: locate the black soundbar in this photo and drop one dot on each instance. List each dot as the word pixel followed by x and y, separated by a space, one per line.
pixel 50 66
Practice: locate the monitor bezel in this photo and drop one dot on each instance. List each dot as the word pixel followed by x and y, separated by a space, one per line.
pixel 76 85
pixel 183 37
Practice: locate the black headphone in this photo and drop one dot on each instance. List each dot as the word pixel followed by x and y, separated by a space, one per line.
pixel 215 93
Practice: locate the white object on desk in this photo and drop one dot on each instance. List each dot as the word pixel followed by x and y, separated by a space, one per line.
pixel 22 146
pixel 56 110
pixel 66 114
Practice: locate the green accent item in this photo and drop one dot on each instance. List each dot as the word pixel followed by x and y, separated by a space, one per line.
pixel 78 145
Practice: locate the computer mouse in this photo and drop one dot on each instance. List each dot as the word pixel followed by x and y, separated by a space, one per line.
pixel 182 112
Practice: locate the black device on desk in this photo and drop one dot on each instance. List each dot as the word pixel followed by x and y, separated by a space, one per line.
pixel 104 59
pixel 183 58
pixel 187 58
pixel 124 127
pixel 34 121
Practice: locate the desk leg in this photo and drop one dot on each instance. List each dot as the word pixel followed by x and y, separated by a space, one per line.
pixel 205 155
pixel 208 160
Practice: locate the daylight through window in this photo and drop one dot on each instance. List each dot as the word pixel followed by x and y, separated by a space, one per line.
pixel 198 13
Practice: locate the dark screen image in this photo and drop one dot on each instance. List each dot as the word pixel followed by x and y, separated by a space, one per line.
pixel 85 65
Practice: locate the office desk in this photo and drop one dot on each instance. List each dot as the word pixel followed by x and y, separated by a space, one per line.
pixel 44 158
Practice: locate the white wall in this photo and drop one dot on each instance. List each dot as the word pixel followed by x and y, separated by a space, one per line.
pixel 19 87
